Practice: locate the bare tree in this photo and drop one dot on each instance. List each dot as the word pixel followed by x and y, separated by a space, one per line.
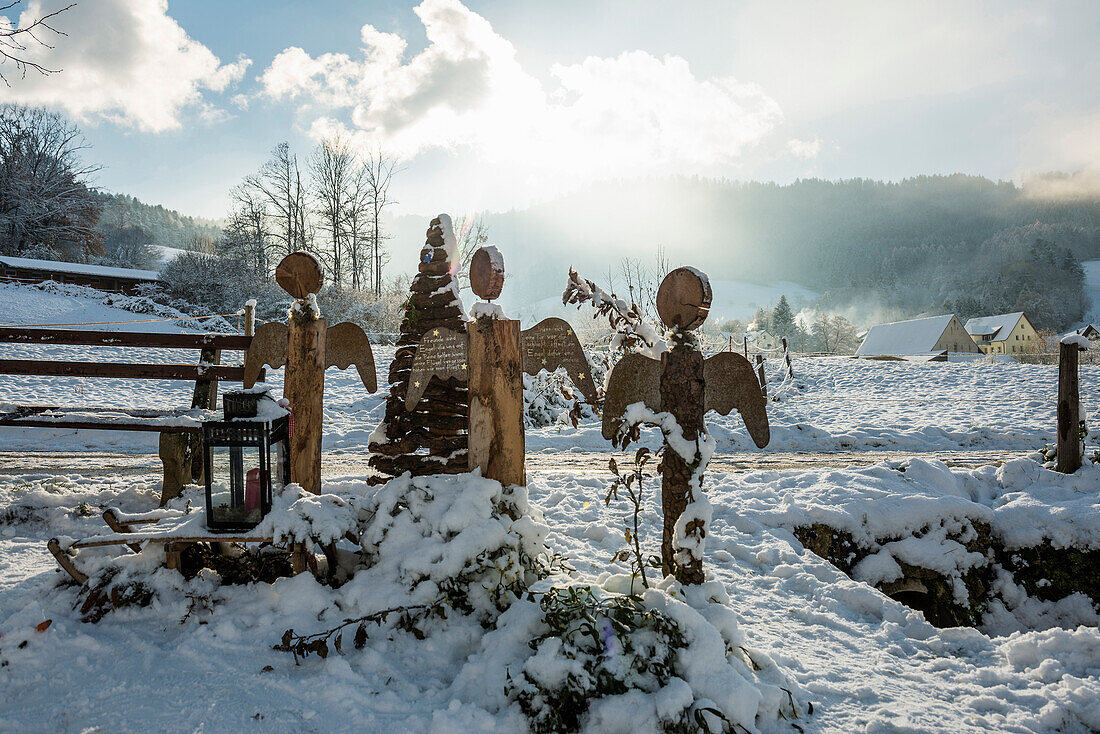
pixel 642 281
pixel 279 185
pixel 45 202
pixel 16 40
pixel 250 220
pixel 358 227
pixel 378 172
pixel 128 247
pixel 471 232
pixel 331 167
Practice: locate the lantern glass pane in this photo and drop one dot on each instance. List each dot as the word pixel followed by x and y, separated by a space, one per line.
pixel 277 466
pixel 235 484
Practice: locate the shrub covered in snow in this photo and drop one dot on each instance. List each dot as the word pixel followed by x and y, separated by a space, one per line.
pixel 550 400
pixel 609 661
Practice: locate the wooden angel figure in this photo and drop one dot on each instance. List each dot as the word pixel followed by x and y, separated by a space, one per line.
pixel 492 357
pixel 682 387
pixel 307 346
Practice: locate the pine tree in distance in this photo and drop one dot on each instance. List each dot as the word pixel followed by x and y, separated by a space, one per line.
pixel 782 321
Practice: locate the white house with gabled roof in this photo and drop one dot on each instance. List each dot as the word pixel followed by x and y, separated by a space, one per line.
pixel 933 337
pixel 1006 333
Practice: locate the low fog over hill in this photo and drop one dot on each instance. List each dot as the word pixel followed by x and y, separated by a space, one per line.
pixel 872 248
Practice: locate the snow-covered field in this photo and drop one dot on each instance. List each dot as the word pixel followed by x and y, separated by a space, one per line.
pixel 833 404
pixel 866 662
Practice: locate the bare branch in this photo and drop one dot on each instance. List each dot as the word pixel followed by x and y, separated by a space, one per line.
pixel 16 40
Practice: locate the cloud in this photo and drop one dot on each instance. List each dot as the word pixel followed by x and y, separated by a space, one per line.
pixel 827 57
pixel 805 149
pixel 125 61
pixel 466 91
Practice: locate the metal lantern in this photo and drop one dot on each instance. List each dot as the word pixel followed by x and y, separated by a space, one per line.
pixel 245 460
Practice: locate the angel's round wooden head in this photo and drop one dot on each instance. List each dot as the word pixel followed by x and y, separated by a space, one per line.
pixel 683 300
pixel 299 274
pixel 487 272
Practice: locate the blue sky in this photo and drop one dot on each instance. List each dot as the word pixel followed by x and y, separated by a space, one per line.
pixel 492 105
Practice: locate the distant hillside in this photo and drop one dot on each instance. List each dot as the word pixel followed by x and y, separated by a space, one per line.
pixel 166 227
pixel 873 248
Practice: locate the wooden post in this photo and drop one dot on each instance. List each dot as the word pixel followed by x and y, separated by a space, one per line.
pixel 787 357
pixel 682 389
pixel 205 397
pixel 745 343
pixel 763 379
pixel 175 456
pixel 304 387
pixel 206 391
pixel 172 556
pixel 1069 410
pixel 249 319
pixel 298 562
pixel 496 400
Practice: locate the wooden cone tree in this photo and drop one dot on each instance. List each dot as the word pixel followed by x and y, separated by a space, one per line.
pixel 432 439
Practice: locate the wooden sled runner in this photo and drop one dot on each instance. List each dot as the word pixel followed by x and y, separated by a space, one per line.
pixel 173 529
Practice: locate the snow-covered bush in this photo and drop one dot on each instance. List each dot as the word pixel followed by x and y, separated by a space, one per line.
pixel 586 656
pixel 442 552
pixel 550 400
pixel 221 284
pixel 462 541
pixel 597 645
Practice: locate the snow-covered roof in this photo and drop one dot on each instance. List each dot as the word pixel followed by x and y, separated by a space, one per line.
pixel 916 336
pixel 994 328
pixel 55 266
pixel 1089 331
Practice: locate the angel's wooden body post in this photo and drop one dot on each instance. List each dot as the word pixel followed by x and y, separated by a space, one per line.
pixel 685 386
pixel 304 387
pixel 682 395
pixel 496 400
pixel 306 346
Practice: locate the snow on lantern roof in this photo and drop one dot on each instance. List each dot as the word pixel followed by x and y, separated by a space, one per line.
pixel 916 337
pixel 993 328
pixel 54 266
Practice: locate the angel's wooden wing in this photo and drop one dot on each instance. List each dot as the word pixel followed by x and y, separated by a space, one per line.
pixel 268 347
pixel 635 378
pixel 732 384
pixel 550 344
pixel 442 353
pixel 346 345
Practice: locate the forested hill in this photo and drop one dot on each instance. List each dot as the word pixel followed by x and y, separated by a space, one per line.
pixel 164 227
pixel 876 249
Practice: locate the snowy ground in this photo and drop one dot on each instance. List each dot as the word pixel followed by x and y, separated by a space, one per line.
pixel 869 663
pixel 834 404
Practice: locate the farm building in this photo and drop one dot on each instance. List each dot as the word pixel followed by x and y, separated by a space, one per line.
pixel 763 340
pixel 115 280
pixel 1090 332
pixel 1006 333
pixel 932 338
